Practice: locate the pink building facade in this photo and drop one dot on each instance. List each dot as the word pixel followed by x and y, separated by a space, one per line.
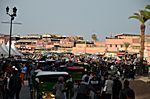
pixel 116 44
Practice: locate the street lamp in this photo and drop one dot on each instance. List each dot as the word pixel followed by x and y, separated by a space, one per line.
pixel 12 16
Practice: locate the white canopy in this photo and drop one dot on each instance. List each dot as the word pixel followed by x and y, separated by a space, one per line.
pixel 14 50
pixel 42 73
pixel 4 50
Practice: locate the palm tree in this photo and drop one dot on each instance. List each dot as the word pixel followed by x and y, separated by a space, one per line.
pixel 142 16
pixel 126 45
pixel 94 37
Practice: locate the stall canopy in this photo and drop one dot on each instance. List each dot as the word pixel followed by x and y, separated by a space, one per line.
pixel 4 50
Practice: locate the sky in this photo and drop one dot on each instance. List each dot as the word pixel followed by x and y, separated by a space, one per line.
pixel 73 17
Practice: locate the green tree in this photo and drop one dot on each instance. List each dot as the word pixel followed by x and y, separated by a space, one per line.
pixel 142 16
pixel 94 37
pixel 126 45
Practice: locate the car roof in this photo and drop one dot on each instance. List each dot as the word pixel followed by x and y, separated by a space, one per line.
pixel 44 73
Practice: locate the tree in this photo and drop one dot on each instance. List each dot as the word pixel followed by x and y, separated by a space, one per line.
pixel 94 37
pixel 126 45
pixel 142 16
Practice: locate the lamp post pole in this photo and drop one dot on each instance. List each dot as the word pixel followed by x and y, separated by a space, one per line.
pixel 10 38
pixel 12 16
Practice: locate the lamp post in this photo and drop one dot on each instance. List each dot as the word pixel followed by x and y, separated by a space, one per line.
pixel 12 16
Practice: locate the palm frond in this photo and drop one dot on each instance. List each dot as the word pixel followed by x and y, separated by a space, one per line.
pixel 148 14
pixel 137 14
pixel 142 15
pixel 145 15
pixel 138 17
pixel 147 7
pixel 142 12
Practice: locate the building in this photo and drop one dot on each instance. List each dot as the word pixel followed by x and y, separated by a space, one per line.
pixel 113 46
pixel 83 46
pixel 116 44
pixel 28 44
pixel 4 38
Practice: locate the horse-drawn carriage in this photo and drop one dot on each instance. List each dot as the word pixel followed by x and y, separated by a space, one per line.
pixel 45 80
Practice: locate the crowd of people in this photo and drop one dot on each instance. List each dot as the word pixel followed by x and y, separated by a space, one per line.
pixel 106 78
pixel 11 84
pixel 93 87
pixel 107 88
pixel 12 76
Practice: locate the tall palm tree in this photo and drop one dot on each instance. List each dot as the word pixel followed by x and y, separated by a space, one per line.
pixel 142 16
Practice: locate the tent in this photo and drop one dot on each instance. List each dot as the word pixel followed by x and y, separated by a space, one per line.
pixel 14 49
pixel 3 52
pixel 4 49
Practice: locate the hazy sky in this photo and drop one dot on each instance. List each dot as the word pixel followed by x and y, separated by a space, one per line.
pixel 73 17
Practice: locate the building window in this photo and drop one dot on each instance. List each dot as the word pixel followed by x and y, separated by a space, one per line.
pixel 136 47
pixel 110 45
pixel 116 45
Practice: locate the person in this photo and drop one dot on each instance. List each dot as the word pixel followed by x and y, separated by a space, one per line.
pixel 59 88
pixel 84 89
pixel 127 92
pixel 69 86
pixel 6 91
pixel 109 86
pixel 15 84
pixel 117 86
pixel 130 94
pixel 86 73
pixel 1 85
pixel 30 80
pixel 96 83
pixel 23 72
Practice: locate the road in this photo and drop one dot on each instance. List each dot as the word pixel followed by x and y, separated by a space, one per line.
pixel 141 88
pixel 25 94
